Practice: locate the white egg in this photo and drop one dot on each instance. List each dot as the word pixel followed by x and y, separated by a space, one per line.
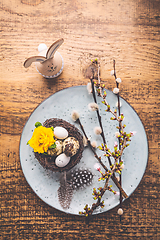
pixel 62 160
pixel 60 132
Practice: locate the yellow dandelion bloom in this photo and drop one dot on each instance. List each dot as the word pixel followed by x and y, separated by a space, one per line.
pixel 42 139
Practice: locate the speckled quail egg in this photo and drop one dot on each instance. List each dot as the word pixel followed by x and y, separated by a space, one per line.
pixel 60 132
pixel 70 146
pixel 57 150
pixel 62 160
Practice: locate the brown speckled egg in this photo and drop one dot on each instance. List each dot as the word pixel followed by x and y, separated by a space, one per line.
pixel 70 146
pixel 57 150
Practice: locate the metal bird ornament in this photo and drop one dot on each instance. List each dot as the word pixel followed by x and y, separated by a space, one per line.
pixel 49 63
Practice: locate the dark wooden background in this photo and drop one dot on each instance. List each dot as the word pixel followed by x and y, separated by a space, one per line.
pixel 124 30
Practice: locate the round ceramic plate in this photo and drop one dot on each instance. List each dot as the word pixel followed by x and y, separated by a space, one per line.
pixel 60 105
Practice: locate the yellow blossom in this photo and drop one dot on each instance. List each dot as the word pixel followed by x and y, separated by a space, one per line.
pixel 42 139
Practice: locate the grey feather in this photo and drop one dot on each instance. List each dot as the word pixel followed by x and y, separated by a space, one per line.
pixel 65 192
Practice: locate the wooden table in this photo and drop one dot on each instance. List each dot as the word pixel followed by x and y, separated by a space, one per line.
pixel 126 31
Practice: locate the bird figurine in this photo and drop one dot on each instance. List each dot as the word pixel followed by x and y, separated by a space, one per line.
pixel 49 62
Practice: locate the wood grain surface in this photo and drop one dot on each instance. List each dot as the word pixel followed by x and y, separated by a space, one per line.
pixel 124 30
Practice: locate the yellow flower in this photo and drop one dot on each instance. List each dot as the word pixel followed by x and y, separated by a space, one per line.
pixel 42 139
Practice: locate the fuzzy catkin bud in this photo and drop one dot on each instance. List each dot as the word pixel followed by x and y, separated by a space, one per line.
pixel 97 130
pixel 119 104
pixel 75 115
pixel 89 88
pixel 120 211
pixel 118 80
pixel 116 90
pixel 112 72
pixel 94 144
pixel 93 106
pixel 85 142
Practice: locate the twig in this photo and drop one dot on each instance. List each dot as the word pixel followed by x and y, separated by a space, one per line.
pixel 116 154
pixel 98 203
pixel 114 113
pixel 99 117
pixel 98 114
pixel 120 126
pixel 99 160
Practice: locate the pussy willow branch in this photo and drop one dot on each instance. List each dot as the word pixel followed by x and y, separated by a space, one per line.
pixel 99 160
pixel 98 114
pixel 114 67
pixel 120 126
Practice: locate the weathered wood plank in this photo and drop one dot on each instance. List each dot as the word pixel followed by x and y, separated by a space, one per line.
pixel 127 31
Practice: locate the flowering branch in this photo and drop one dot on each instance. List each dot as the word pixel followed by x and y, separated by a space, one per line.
pixel 122 136
pixel 118 117
pixel 98 114
pixel 114 113
pixel 88 211
pixel 95 154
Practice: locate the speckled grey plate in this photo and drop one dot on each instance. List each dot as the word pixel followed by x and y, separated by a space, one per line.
pixel 60 105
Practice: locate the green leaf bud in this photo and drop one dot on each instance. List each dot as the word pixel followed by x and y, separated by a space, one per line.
pixel 38 124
